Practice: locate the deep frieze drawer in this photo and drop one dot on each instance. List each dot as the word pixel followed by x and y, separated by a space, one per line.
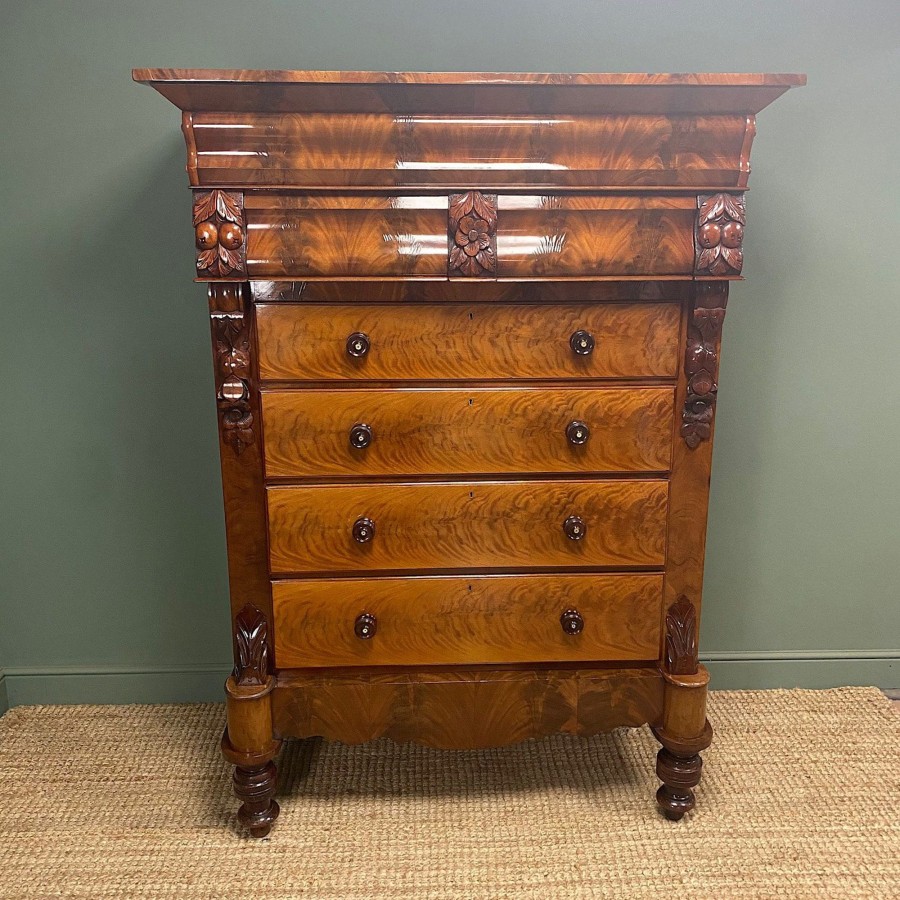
pixel 455 431
pixel 468 525
pixel 451 341
pixel 466 620
pixel 306 236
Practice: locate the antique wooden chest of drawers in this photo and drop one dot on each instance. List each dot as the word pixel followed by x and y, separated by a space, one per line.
pixel 465 332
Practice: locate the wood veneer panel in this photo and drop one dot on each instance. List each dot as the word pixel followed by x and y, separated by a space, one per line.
pixel 447 431
pixel 467 341
pixel 464 708
pixel 467 525
pixel 329 150
pixel 362 235
pixel 486 619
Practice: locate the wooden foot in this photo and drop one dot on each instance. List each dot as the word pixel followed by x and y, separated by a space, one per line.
pixel 256 788
pixel 679 774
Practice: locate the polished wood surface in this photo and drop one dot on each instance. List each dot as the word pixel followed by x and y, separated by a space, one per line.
pixel 467 525
pixel 466 332
pixel 364 235
pixel 463 708
pixel 456 620
pixel 447 431
pixel 456 341
pixel 342 150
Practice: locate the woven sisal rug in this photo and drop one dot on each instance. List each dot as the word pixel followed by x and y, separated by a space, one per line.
pixel 800 798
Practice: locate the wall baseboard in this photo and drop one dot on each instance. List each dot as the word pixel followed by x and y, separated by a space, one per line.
pixel 202 683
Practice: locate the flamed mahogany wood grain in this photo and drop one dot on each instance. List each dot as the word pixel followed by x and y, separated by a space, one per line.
pixel 353 235
pixel 474 525
pixel 459 340
pixel 463 708
pixel 483 619
pixel 454 431
pixel 532 505
pixel 335 150
pixel 463 340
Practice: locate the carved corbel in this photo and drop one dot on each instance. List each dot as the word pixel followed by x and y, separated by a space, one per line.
pixel 472 232
pixel 232 346
pixel 701 363
pixel 719 234
pixel 220 234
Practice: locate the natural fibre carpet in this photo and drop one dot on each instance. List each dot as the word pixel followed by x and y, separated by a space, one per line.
pixel 800 798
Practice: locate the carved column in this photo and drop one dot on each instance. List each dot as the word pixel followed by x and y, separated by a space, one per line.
pixel 248 742
pixel 684 730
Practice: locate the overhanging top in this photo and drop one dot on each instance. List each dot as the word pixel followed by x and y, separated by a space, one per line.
pixel 478 93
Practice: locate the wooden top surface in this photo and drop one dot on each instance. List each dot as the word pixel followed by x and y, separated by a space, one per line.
pixel 469 92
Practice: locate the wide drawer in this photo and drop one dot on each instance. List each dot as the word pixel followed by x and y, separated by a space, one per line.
pixel 466 620
pixel 448 431
pixel 331 528
pixel 466 340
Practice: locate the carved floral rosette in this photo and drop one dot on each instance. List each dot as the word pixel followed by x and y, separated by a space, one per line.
pixel 473 234
pixel 233 379
pixel 720 233
pixel 219 234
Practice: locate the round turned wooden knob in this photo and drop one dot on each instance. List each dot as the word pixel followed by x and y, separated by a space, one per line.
pixel 358 344
pixel 577 433
pixel 574 528
pixel 363 530
pixel 366 625
pixel 572 622
pixel 360 436
pixel 582 342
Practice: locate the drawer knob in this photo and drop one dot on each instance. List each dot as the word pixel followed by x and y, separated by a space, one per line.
pixel 360 436
pixel 358 344
pixel 582 343
pixel 363 530
pixel 578 433
pixel 572 622
pixel 366 625
pixel 574 528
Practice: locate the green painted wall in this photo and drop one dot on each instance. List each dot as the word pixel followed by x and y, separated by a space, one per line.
pixel 112 575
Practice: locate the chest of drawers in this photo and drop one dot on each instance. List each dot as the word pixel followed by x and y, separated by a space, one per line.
pixel 465 335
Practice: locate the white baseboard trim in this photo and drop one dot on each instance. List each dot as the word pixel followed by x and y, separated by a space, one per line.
pixel 21 686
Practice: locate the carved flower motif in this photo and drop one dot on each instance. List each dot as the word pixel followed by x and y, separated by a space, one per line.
pixel 720 233
pixel 473 218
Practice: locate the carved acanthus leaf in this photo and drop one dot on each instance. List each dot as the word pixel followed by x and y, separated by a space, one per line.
pixel 682 656
pixel 251 635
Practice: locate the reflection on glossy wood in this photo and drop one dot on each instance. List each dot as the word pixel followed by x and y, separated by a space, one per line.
pixel 453 432
pixel 474 525
pixel 453 620
pixel 454 341
pixel 353 235
pixel 463 708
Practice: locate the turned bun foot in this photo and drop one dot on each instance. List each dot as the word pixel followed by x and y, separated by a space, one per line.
pixel 256 788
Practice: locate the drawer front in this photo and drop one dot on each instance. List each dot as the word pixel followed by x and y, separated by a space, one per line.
pixel 466 621
pixel 454 341
pixel 467 525
pixel 455 431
